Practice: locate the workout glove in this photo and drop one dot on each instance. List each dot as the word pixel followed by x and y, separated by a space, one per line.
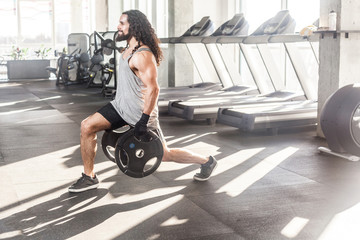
pixel 141 126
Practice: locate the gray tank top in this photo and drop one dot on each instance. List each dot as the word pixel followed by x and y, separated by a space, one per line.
pixel 129 99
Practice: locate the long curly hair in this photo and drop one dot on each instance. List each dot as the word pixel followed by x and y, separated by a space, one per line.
pixel 141 29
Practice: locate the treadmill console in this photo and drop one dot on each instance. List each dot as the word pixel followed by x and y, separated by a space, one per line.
pixel 276 24
pixel 232 23
pixel 234 27
pixel 281 23
pixel 200 26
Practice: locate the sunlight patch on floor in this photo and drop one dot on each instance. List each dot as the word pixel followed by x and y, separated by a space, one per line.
pixel 173 221
pixel 176 140
pixel 11 103
pixel 49 98
pixel 49 117
pixel 227 163
pixel 242 182
pixel 11 234
pixel 153 209
pixel 19 111
pixel 158 192
pixel 3 85
pixel 56 156
pixel 294 227
pixel 199 136
pixel 344 225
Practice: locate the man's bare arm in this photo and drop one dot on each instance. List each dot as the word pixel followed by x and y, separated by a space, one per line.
pixel 145 68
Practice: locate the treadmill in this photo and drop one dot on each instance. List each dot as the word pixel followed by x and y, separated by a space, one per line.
pixel 202 28
pixel 233 27
pixel 236 26
pixel 217 69
pixel 285 114
pixel 205 108
pixel 269 116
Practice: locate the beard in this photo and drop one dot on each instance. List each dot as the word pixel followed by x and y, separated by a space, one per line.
pixel 123 37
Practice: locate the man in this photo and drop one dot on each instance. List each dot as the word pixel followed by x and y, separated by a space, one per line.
pixel 135 103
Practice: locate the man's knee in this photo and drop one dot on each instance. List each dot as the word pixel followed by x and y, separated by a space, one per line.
pixel 86 127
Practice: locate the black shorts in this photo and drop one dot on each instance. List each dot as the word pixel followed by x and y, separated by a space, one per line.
pixel 109 113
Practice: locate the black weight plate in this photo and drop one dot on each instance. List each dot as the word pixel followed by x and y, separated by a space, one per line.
pixel 109 139
pixel 133 156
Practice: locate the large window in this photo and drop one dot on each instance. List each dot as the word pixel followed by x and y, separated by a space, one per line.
pixel 8 18
pixel 305 12
pixel 156 12
pixel 129 4
pixel 35 21
pixel 62 20
pixel 258 11
pixel 32 24
pixel 162 18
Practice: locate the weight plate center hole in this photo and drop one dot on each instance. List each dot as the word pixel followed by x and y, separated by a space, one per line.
pixel 139 153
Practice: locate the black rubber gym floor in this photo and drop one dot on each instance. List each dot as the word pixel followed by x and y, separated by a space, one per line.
pixel 265 187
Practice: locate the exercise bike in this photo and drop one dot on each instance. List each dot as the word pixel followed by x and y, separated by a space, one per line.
pixel 99 66
pixel 71 68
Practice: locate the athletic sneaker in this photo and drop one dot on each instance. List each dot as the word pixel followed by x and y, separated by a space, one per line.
pixel 206 170
pixel 84 183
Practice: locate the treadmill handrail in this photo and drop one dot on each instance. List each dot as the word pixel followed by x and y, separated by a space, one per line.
pixel 191 39
pixel 231 39
pixel 288 38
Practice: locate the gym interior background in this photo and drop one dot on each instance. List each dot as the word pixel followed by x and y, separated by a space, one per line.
pixel 55 20
pixel 269 184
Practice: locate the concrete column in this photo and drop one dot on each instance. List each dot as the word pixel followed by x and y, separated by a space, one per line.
pixel 101 15
pixel 339 51
pixel 171 48
pixel 183 20
pixel 181 16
